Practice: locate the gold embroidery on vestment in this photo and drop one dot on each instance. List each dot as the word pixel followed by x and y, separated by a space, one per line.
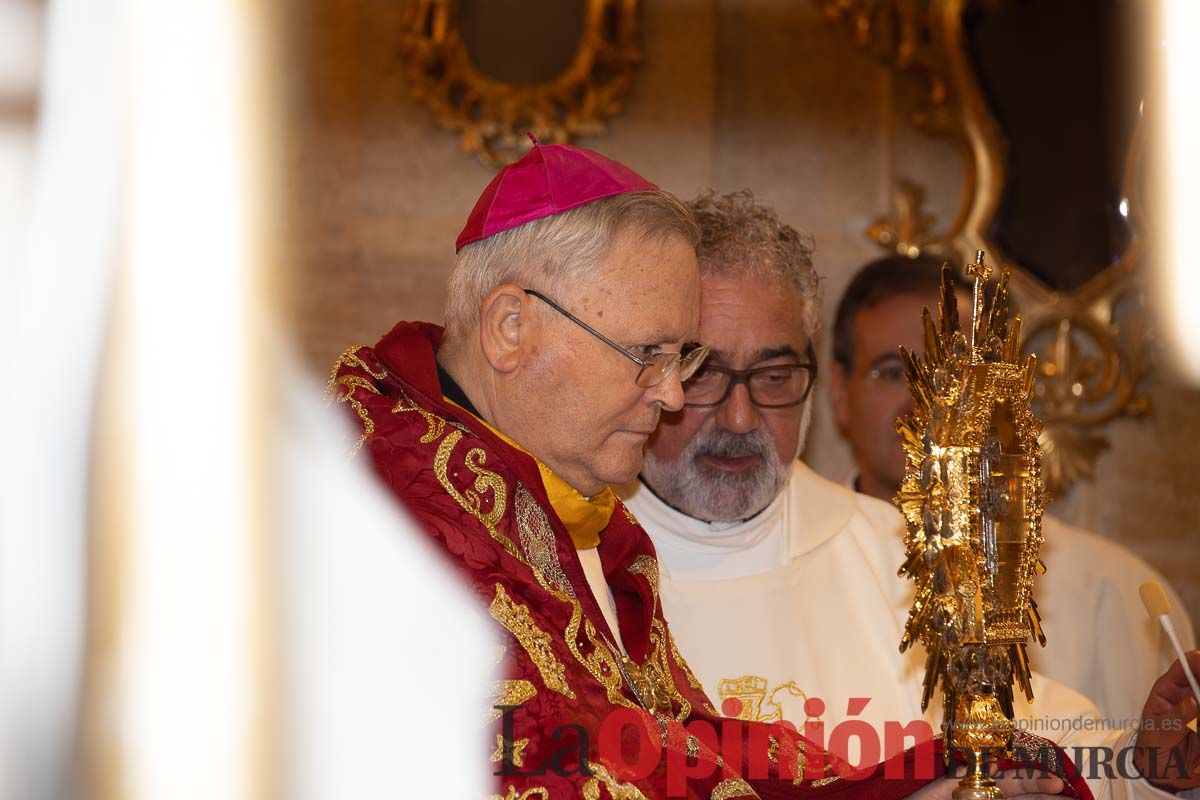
pixel 469 499
pixel 535 791
pixel 647 567
pixel 773 757
pixel 601 662
pixel 518 751
pixel 508 693
pixel 732 787
pixel 519 622
pixel 341 388
pixel 540 555
pixel 757 703
pixel 751 692
pixel 617 790
pixel 350 358
pixel 537 539
pixel 658 663
pixel 349 383
pixel 434 425
pixel 655 672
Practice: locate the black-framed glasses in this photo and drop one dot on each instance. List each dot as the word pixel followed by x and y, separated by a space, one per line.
pixel 654 369
pixel 779 386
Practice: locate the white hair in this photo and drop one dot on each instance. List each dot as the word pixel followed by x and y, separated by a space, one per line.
pixel 558 252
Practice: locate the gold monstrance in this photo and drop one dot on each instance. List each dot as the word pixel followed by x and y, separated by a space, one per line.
pixel 972 497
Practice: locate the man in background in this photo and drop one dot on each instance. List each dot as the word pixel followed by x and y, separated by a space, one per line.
pixel 1099 639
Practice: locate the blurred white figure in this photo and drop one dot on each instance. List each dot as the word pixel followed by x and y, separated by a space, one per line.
pixel 55 280
pixel 142 167
pixel 385 655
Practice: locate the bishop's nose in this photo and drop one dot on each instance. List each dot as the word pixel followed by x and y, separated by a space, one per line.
pixel 669 393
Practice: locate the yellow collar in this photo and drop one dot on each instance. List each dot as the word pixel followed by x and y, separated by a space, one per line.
pixel 584 517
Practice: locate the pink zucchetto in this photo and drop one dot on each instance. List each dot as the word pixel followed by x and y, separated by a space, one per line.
pixel 548 180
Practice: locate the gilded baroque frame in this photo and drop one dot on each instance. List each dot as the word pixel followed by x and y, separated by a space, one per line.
pixel 492 117
pixel 1091 365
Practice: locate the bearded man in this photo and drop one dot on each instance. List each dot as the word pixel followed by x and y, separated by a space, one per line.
pixel 780 585
pixel 1100 640
pixel 573 305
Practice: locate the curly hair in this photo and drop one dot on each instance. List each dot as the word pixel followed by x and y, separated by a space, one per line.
pixel 741 237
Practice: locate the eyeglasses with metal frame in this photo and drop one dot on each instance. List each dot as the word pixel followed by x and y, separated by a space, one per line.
pixel 775 386
pixel 654 369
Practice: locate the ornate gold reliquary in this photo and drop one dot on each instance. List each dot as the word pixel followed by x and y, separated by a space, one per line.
pixel 972 498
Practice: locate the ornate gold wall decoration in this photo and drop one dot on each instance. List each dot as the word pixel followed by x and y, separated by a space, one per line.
pixel 493 115
pixel 894 33
pixel 1091 340
pixel 1093 366
pixel 909 231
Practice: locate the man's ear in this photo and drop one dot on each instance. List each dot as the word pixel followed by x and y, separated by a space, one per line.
pixel 838 400
pixel 505 326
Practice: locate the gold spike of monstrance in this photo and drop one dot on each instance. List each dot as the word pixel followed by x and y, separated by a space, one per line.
pixel 972 498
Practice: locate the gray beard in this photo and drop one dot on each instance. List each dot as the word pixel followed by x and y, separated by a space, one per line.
pixel 714 496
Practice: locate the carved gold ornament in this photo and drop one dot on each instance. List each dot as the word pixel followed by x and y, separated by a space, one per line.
pixel 493 116
pixel 909 231
pixel 1093 346
pixel 972 499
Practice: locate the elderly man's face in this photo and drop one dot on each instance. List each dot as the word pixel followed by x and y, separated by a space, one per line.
pixel 868 397
pixel 729 462
pixel 590 421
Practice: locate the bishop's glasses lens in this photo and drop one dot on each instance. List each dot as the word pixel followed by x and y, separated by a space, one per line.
pixel 693 359
pixel 662 366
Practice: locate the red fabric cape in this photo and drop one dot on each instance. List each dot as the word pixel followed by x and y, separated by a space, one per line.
pixel 481 502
